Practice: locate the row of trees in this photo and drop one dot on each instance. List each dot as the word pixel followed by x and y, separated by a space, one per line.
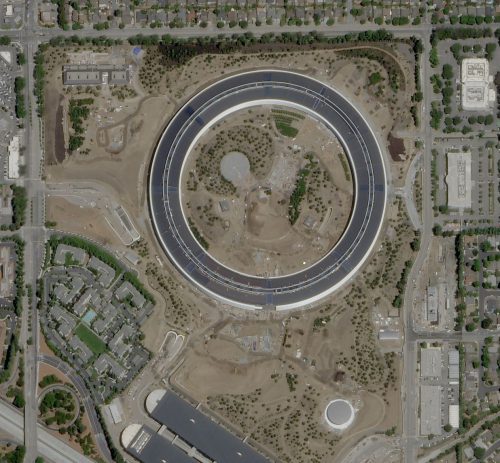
pixel 19 204
pixel 19 85
pixel 401 285
pixel 380 35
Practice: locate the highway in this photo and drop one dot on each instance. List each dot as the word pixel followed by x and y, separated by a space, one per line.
pixel 245 90
pixel 34 236
pixel 49 446
pixel 88 403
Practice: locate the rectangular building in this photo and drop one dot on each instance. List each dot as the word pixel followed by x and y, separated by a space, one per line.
pixel 432 304
pixel 453 366
pixel 458 180
pixel 430 362
pixel 146 445
pixel 430 410
pixel 198 430
pixel 14 159
pixel 478 92
pixel 95 74
pixel 453 416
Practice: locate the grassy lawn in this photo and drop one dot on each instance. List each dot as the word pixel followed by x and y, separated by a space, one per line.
pixel 286 129
pixel 94 343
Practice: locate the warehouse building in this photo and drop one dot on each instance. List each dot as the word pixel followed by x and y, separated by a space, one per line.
pixel 430 362
pixel 14 158
pixel 430 410
pixel 453 366
pixel 453 415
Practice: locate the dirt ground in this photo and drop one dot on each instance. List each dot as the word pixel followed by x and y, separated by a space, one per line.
pixel 126 171
pixel 246 225
pixel 45 370
pixel 43 347
pixel 273 386
pixel 260 390
pixel 80 220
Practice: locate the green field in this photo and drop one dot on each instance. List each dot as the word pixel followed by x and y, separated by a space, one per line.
pixel 94 343
pixel 286 129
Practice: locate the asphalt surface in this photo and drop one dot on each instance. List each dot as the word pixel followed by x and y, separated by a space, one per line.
pixel 148 446
pixel 49 446
pixel 198 430
pixel 323 103
pixel 88 403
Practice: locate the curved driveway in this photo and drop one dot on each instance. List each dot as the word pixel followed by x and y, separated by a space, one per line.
pixel 250 89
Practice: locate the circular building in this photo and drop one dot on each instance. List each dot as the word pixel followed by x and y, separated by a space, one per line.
pixel 339 414
pixel 221 99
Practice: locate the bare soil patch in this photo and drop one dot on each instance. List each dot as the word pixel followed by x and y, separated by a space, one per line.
pixel 77 219
pixel 260 224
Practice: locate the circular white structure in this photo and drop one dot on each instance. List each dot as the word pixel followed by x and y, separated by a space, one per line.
pixel 339 414
pixel 223 98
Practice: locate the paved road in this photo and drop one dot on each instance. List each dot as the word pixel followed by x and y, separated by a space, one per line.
pixel 34 236
pixel 456 438
pixel 409 386
pixel 86 399
pixel 256 88
pixel 408 191
pixel 49 446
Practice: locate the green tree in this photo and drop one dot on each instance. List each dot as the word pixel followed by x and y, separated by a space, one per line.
pixel 479 452
pixel 486 323
pixel 374 78
pixel 433 57
pixel 447 72
pixel 471 326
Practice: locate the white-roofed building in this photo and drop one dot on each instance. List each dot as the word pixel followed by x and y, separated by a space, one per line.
pixel 430 362
pixel 459 180
pixel 453 416
pixel 430 410
pixel 14 160
pixel 478 93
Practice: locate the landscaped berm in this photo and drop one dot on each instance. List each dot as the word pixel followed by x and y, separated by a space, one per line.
pixel 268 191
